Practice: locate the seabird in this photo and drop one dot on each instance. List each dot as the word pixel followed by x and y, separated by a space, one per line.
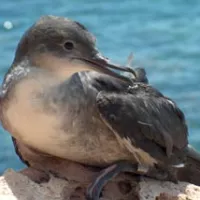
pixel 61 98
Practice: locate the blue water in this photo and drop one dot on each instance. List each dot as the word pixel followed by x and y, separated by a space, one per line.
pixel 163 35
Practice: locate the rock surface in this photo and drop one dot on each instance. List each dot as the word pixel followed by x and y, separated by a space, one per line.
pixel 15 186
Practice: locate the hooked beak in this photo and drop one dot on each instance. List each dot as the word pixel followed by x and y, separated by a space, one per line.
pixel 104 65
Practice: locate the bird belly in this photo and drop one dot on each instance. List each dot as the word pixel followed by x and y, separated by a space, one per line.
pixel 84 139
pixel 43 132
pixel 28 121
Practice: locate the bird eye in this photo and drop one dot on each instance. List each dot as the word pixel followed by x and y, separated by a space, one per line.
pixel 68 45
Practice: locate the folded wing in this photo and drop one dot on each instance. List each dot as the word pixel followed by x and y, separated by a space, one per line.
pixel 146 118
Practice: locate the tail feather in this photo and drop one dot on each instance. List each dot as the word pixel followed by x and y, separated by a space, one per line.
pixel 191 172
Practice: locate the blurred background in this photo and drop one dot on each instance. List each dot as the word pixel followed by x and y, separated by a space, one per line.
pixel 163 35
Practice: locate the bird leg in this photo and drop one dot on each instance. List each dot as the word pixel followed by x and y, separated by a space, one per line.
pixel 95 188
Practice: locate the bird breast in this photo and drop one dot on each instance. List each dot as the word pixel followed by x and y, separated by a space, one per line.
pixel 81 137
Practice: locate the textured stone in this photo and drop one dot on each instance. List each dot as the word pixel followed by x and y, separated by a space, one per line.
pixel 15 186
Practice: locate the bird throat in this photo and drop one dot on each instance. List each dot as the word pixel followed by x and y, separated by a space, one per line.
pixel 63 68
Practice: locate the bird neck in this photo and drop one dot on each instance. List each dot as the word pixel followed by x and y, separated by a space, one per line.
pixel 62 68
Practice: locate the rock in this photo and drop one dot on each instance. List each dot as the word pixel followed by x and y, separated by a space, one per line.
pixel 15 186
pixel 157 190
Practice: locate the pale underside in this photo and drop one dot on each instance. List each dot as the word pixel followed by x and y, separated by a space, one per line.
pixel 94 144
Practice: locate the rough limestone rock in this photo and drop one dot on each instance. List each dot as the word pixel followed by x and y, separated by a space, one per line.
pixel 15 186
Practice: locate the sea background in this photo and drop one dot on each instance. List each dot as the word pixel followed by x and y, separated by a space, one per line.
pixel 163 35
